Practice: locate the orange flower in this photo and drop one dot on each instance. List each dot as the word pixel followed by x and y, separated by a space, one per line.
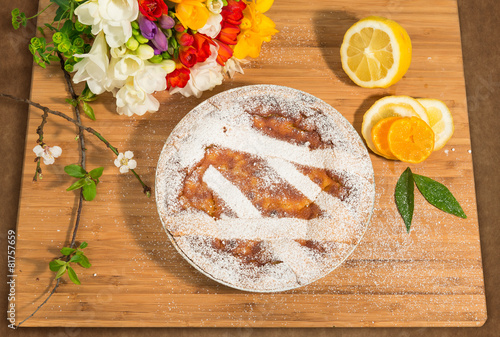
pixel 256 28
pixel 191 13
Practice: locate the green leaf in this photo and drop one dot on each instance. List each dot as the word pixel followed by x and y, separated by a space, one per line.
pixel 53 58
pixel 61 271
pixel 88 111
pixel 49 26
pixel 73 102
pixel 404 196
pixel 75 258
pixel 89 191
pixel 72 276
pixel 42 64
pixel 54 265
pixel 83 244
pixel 87 94
pixel 96 173
pixel 78 184
pixel 67 28
pixel 64 4
pixel 67 251
pixel 75 171
pixel 40 29
pixel 84 262
pixel 439 195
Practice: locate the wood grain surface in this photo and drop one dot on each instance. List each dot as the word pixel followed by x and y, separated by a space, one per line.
pixel 431 277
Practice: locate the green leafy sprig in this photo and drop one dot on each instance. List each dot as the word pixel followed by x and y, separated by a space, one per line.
pixel 87 180
pixel 68 40
pixel 434 192
pixel 73 255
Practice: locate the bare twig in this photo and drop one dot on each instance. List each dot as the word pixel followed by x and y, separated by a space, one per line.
pixel 43 303
pixel 81 138
pixel 39 131
pixel 38 169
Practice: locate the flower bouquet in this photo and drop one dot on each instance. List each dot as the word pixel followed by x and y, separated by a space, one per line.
pixel 133 48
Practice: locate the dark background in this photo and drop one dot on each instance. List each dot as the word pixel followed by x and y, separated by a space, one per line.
pixel 479 21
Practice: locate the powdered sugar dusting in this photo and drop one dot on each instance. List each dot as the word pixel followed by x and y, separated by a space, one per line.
pixel 225 120
pixel 230 194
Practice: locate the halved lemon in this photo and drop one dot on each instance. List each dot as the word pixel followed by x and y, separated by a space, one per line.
pixel 376 52
pixel 390 106
pixel 440 120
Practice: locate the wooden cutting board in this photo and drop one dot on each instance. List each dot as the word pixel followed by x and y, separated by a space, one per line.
pixel 431 277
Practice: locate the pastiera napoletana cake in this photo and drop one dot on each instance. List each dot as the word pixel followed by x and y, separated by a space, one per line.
pixel 265 188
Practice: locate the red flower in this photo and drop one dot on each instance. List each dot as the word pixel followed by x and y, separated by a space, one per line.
pixel 225 53
pixel 179 28
pixel 188 56
pixel 178 78
pixel 202 46
pixel 185 39
pixel 233 12
pixel 152 9
pixel 228 33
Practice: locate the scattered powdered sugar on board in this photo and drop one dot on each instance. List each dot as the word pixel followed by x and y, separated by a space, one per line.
pixel 224 120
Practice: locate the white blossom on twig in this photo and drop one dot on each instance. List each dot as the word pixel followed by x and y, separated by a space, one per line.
pixel 125 162
pixel 48 153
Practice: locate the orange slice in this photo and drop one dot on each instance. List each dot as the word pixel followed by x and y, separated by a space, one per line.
pixel 411 140
pixel 390 106
pixel 380 132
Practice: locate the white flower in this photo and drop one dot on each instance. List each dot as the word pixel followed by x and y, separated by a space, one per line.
pixel 121 68
pixel 125 161
pixel 93 66
pixel 204 76
pixel 233 65
pixel 212 27
pixel 118 52
pixel 215 6
pixel 168 65
pixel 145 51
pixel 135 97
pixel 132 99
pixel 111 16
pixel 48 153
pixel 152 78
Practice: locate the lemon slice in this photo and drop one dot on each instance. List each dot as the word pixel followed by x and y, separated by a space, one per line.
pixel 440 120
pixel 390 106
pixel 376 52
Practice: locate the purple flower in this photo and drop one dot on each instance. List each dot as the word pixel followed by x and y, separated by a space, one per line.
pixel 166 22
pixel 160 41
pixel 148 28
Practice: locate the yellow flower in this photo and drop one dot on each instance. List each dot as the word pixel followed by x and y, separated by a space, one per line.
pixel 191 13
pixel 255 29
